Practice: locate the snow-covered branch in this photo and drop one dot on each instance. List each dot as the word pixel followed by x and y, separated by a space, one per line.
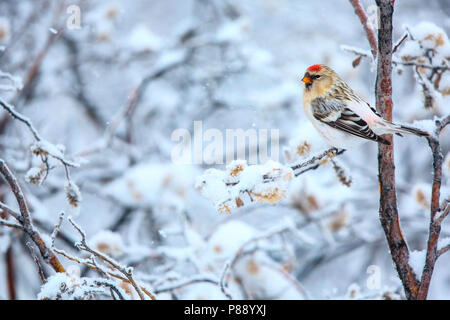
pixel 241 183
pixel 126 272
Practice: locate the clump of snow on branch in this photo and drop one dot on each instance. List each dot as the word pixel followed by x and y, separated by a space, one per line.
pixel 34 175
pixel 427 48
pixel 240 183
pixel 108 242
pixel 70 286
pixel 417 261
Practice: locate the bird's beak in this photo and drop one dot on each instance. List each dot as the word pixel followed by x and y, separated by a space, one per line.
pixel 307 80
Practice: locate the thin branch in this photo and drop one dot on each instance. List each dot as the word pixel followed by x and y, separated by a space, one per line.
pixel 223 285
pixel 399 43
pixel 326 154
pixel 10 211
pixel 56 229
pixel 435 221
pixel 420 65
pixel 38 264
pixel 367 28
pixel 18 116
pixel 126 271
pixel 186 282
pixel 26 221
pixel 6 223
pixel 112 287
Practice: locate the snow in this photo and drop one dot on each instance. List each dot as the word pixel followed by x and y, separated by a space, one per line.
pixel 73 194
pixel 108 242
pixel 233 31
pixel 443 242
pixel 148 184
pixel 50 290
pixel 266 183
pixel 425 125
pixel 446 166
pixel 33 175
pixel 142 39
pixel 356 50
pixel 417 261
pixel 431 36
pixel 223 246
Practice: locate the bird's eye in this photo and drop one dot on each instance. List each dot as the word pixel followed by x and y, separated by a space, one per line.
pixel 317 76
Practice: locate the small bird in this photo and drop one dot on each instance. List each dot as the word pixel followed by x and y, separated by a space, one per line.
pixel 342 117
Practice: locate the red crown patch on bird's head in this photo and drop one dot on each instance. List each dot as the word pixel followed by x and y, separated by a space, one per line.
pixel 315 68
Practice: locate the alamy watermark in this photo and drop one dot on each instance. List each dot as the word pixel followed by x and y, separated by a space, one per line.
pixel 212 146
pixel 73 22
pixel 373 281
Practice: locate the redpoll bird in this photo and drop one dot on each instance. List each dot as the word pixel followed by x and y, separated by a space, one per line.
pixel 343 118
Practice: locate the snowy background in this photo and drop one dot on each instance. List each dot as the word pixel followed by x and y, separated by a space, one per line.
pixel 112 93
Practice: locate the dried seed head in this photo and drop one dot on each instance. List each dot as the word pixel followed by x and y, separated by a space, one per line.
pixel 342 175
pixel 421 196
pixel 34 175
pixel 303 149
pixel 37 150
pixel 236 167
pixel 73 194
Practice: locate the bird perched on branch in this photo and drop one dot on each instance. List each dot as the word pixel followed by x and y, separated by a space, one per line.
pixel 343 118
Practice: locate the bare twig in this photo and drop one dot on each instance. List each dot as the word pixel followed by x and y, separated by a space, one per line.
pixel 223 285
pixel 399 43
pixel 13 225
pixel 18 116
pixel 10 211
pixel 186 282
pixel 112 288
pixel 33 72
pixel 92 110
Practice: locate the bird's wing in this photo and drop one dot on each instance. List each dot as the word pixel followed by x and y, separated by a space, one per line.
pixel 339 115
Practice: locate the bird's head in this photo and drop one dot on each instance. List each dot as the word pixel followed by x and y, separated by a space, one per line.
pixel 318 79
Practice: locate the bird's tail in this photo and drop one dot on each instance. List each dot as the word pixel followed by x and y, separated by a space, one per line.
pixel 399 129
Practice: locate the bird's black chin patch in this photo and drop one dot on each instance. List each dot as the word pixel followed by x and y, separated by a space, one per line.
pixel 308 86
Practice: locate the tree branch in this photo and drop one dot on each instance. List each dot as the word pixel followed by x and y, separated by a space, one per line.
pixel 386 169
pixel 364 21
pixel 25 219
pixel 435 220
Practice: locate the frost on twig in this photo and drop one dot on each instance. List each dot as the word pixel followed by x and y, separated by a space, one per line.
pixel 40 148
pixel 66 286
pixel 14 83
pixel 110 269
